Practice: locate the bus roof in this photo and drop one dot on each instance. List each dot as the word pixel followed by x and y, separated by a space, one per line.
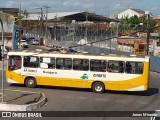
pixel 83 55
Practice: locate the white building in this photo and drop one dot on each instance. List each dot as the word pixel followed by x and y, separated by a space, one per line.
pixel 131 12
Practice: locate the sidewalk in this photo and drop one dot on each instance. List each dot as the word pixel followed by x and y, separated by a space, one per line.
pixel 16 100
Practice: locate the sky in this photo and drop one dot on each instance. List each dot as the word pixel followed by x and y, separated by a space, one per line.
pixel 101 7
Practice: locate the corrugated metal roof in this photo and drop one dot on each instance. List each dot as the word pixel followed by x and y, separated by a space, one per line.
pixel 49 15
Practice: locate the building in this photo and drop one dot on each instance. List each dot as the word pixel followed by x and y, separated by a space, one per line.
pixel 8 26
pixel 134 45
pixel 131 12
pixel 157 19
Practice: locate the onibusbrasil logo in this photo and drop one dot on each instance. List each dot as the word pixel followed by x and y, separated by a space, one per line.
pixel 84 76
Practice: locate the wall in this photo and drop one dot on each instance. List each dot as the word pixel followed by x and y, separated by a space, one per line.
pixel 128 13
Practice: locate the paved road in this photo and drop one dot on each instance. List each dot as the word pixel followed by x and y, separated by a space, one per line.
pixel 67 99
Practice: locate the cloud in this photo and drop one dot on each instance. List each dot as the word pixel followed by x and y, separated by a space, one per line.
pixel 71 3
pixel 98 6
pixel 123 4
pixel 10 4
pixel 89 5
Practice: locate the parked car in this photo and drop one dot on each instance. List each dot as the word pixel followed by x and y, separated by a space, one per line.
pixel 35 42
pixel 24 43
pixel 29 39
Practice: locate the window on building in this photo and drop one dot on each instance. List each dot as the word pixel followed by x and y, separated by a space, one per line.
pixel 134 67
pixel 15 62
pixel 46 62
pixel 64 63
pixel 98 65
pixel 81 64
pixel 31 61
pixel 115 66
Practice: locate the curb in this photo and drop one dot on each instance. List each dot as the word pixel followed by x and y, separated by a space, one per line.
pixel 29 107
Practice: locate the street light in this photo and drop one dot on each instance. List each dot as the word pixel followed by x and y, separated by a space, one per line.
pixel 2 60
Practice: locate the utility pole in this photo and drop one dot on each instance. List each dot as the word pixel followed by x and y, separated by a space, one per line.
pixel 148 33
pixel 2 61
pixel 41 23
pixel 86 28
pixel 19 26
pixel 46 30
pixel 55 28
pixel 111 41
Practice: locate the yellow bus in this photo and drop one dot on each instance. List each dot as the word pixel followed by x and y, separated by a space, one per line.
pixel 78 70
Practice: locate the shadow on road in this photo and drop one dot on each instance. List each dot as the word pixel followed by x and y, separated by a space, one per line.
pixel 150 92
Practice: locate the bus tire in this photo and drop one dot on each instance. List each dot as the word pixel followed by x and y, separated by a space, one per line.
pixel 98 87
pixel 30 82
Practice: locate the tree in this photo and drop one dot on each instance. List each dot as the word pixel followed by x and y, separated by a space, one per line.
pixel 134 22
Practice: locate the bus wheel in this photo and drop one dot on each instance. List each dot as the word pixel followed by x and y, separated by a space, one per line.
pixel 30 82
pixel 98 87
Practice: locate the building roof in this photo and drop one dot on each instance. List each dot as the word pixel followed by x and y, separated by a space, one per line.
pixel 49 15
pixel 89 16
pixel 78 16
pixel 156 17
pixel 16 10
pixel 138 11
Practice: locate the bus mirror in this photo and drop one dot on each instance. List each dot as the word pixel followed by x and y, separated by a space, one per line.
pixel 43 65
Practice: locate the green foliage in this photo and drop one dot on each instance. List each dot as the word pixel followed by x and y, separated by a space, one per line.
pixel 131 23
pixel 65 20
pixel 26 13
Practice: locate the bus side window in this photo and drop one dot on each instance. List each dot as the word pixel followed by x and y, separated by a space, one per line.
pixel 31 61
pixel 81 64
pixel 98 65
pixel 134 67
pixel 115 66
pixel 85 65
pixel 64 63
pixel 50 62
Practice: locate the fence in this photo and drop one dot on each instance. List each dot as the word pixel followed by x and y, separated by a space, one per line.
pixel 155 64
pixel 154 61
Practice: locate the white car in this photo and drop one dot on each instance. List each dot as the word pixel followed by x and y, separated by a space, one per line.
pixel 24 43
pixel 35 42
